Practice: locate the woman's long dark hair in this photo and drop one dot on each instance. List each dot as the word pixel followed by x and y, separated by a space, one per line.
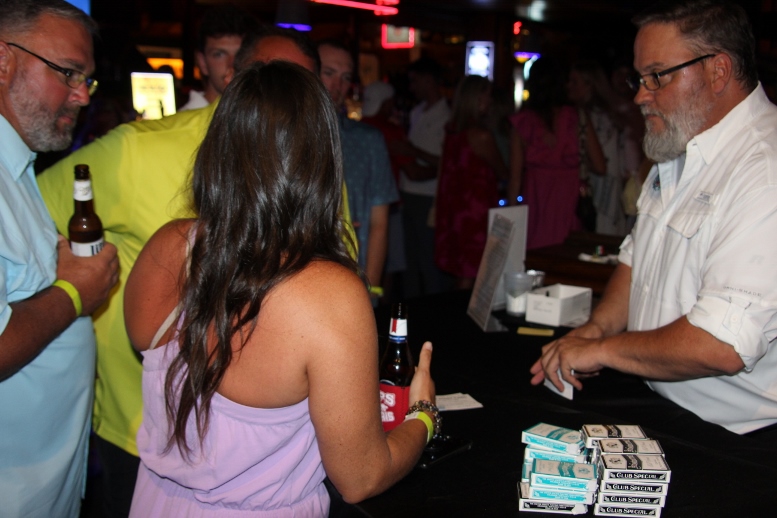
pixel 267 189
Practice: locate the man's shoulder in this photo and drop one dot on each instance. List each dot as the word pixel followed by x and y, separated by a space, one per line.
pixel 359 127
pixel 361 133
pixel 190 120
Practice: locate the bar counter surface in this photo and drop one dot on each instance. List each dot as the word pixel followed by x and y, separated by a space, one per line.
pixel 715 473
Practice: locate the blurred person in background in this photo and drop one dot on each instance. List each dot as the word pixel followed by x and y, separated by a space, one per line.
pixel 546 156
pixel 378 110
pixel 366 166
pixel 418 178
pixel 589 89
pixel 222 29
pixel 47 344
pixel 265 378
pixel 470 170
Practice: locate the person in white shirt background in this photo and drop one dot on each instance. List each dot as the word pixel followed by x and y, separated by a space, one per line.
pixel 221 32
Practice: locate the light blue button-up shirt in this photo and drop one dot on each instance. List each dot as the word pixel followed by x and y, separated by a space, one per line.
pixel 45 408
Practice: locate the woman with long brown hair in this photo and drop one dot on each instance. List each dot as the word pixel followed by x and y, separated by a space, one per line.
pixel 266 381
pixel 471 168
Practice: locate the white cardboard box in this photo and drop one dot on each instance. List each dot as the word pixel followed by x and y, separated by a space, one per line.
pixel 559 305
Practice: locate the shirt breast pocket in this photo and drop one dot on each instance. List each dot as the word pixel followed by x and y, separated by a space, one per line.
pixel 687 224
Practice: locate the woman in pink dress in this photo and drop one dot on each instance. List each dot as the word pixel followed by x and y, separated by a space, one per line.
pixel 470 170
pixel 545 157
pixel 266 377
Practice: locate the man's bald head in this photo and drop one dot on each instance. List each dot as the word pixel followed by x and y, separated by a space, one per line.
pixel 275 43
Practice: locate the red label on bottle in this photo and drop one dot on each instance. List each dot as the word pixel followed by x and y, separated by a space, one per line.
pixel 394 402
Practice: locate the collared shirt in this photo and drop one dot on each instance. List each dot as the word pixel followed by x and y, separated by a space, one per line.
pixel 427 133
pixel 45 407
pixel 367 171
pixel 704 246
pixel 196 100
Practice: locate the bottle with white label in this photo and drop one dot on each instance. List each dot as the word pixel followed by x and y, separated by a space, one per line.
pixel 396 371
pixel 85 228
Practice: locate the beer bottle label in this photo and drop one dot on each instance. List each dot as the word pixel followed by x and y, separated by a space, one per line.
pixel 398 327
pixel 82 190
pixel 87 249
pixel 394 403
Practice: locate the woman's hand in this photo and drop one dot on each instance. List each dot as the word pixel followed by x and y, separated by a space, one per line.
pixel 422 386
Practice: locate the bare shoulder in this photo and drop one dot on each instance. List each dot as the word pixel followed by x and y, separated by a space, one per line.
pixel 152 290
pixel 326 303
pixel 169 242
pixel 324 286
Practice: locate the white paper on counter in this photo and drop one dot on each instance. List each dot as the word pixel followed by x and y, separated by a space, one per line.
pixel 569 390
pixel 457 401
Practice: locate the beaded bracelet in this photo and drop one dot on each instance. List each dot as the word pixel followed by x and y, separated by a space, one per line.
pixel 426 406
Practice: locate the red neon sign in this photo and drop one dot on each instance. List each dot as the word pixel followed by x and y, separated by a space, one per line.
pixel 392 37
pixel 378 9
pixel 517 28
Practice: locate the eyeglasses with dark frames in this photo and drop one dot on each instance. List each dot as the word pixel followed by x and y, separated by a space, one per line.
pixel 652 81
pixel 73 78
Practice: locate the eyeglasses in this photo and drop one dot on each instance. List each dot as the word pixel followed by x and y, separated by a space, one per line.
pixel 652 81
pixel 73 78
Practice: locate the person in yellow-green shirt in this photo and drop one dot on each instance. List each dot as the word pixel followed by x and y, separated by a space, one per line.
pixel 140 179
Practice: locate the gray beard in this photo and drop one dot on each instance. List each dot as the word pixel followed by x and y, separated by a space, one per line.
pixel 679 128
pixel 39 124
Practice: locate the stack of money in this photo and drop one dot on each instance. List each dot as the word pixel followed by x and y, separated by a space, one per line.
pixel 558 476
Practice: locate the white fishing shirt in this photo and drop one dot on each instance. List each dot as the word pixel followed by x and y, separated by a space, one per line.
pixel 705 246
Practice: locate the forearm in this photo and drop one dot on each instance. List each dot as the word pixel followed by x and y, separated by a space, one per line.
pixel 418 172
pixel 677 351
pixel 34 323
pixel 432 160
pixel 611 315
pixel 377 244
pixel 405 445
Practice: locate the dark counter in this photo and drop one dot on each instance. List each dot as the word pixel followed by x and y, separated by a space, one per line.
pixel 715 473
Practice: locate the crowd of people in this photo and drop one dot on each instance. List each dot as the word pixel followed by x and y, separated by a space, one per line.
pixel 221 219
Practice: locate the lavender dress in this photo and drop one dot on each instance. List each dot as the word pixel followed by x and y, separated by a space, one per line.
pixel 253 462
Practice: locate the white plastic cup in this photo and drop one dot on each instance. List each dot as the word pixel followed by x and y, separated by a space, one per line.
pixel 517 285
pixel 539 278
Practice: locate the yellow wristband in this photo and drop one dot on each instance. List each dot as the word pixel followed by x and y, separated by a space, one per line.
pixel 426 420
pixel 72 293
pixel 376 290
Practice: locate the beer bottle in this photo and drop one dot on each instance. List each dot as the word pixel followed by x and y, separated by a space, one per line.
pixel 85 229
pixel 396 371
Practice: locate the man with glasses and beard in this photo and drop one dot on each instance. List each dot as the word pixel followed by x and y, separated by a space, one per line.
pixel 692 305
pixel 47 344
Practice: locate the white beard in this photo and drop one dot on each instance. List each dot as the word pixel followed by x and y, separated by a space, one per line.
pixel 679 128
pixel 37 122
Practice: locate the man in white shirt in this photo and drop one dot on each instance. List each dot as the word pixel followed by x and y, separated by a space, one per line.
pixel 418 179
pixel 692 306
pixel 221 32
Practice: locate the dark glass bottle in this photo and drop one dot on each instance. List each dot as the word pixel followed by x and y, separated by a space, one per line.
pixel 396 371
pixel 85 229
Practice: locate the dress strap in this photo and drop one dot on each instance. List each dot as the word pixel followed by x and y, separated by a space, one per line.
pixel 172 317
pixel 164 327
